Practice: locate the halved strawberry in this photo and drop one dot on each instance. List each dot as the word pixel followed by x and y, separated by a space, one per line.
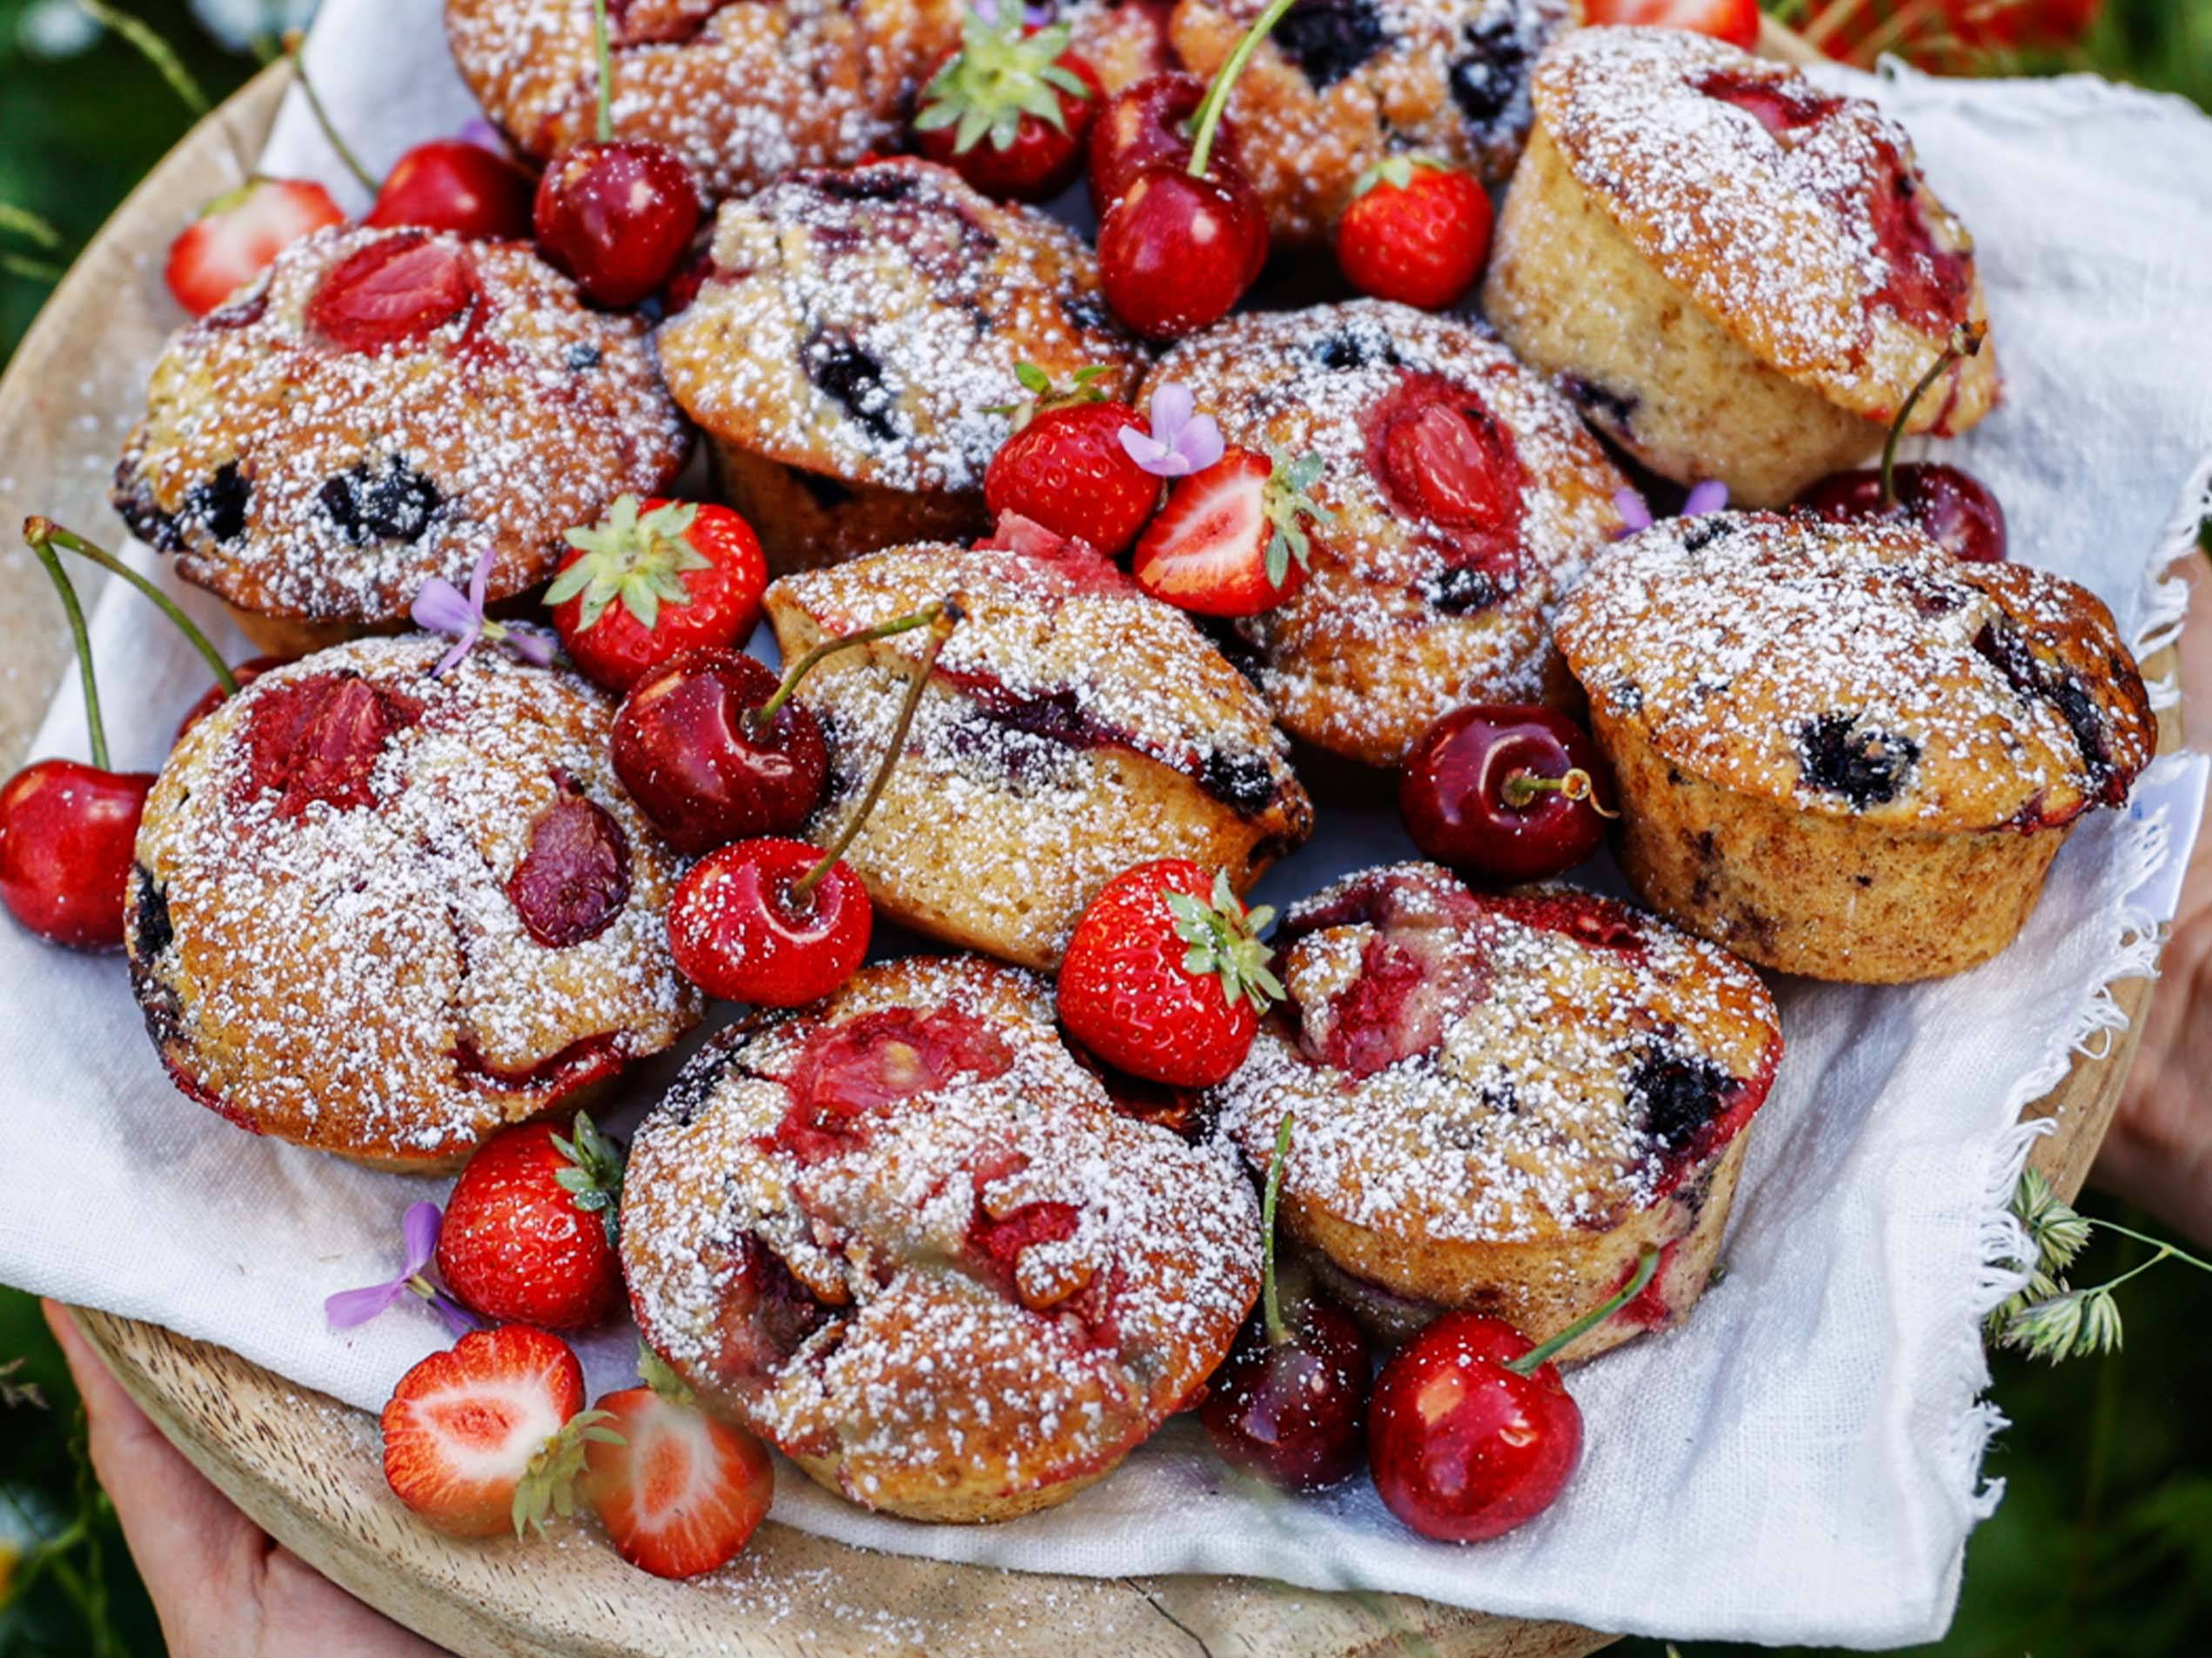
pixel 236 236
pixel 492 1434
pixel 1733 21
pixel 398 288
pixel 679 1493
pixel 1229 541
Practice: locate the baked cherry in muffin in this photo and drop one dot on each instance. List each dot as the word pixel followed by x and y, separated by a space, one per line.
pixel 742 93
pixel 1502 1102
pixel 1464 494
pixel 1839 751
pixel 903 1235
pixel 1073 728
pixel 1737 275
pixel 856 332
pixel 1341 85
pixel 383 914
pixel 376 410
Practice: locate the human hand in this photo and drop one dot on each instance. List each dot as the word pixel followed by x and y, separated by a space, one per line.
pixel 223 1586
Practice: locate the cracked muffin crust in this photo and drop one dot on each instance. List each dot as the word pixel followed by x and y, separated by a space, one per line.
pixel 382 915
pixel 1464 493
pixel 377 410
pixel 1841 751
pixel 903 1235
pixel 1502 1101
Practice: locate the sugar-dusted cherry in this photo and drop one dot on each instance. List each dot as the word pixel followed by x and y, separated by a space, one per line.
pixel 1505 793
pixel 1150 122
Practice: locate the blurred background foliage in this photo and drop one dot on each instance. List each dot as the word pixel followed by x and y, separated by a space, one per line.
pixel 2104 1545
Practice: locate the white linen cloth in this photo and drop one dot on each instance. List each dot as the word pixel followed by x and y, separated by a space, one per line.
pixel 1799 1462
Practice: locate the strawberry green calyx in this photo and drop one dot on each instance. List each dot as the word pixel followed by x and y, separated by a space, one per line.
pixel 1224 942
pixel 1044 394
pixel 548 1484
pixel 639 558
pixel 594 1177
pixel 655 1372
pixel 999 75
pixel 1397 171
pixel 1286 499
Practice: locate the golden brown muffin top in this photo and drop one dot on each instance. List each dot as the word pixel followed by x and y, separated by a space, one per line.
pixel 1482 1069
pixel 1797 219
pixel 863 324
pixel 1858 669
pixel 903 1226
pixel 301 472
pixel 383 913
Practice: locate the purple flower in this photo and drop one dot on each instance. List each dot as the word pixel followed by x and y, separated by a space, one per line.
pixel 349 1308
pixel 481 133
pixel 1635 515
pixel 440 608
pixel 1181 442
pixel 1710 496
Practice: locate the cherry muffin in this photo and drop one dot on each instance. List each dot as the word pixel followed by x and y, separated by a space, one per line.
pixel 903 1236
pixel 376 410
pixel 1737 275
pixel 383 913
pixel 1341 85
pixel 742 93
pixel 1840 751
pixel 1502 1101
pixel 857 332
pixel 1074 727
pixel 1465 496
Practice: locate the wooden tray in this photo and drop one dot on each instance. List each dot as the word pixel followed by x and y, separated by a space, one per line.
pixel 307 1468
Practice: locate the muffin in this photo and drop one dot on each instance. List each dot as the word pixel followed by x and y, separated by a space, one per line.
pixel 742 93
pixel 383 914
pixel 1123 41
pixel 1501 1102
pixel 1737 275
pixel 1465 497
pixel 1341 85
pixel 1840 751
pixel 904 1237
pixel 379 408
pixel 1073 726
pixel 852 351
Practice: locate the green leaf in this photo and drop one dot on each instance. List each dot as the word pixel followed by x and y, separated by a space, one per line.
pixel 572 580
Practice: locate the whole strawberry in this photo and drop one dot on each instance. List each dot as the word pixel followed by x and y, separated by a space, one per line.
pixel 1011 110
pixel 1066 467
pixel 1166 976
pixel 529 1232
pixel 652 581
pixel 1416 231
pixel 236 236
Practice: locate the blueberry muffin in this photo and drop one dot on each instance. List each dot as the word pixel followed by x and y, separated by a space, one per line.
pixel 856 333
pixel 1465 496
pixel 1341 85
pixel 1502 1102
pixel 382 913
pixel 742 93
pixel 903 1236
pixel 1840 751
pixel 1074 727
pixel 1123 40
pixel 377 409
pixel 1737 275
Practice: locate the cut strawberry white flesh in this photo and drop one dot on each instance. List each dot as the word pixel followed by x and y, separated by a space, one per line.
pixel 236 236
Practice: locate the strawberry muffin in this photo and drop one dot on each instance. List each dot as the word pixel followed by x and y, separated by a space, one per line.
pixel 383 913
pixel 1502 1102
pixel 376 410
pixel 1841 751
pixel 852 351
pixel 1073 726
pixel 1341 85
pixel 903 1236
pixel 1737 275
pixel 1463 496
pixel 743 93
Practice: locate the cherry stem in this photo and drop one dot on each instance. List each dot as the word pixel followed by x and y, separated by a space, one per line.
pixel 40 546
pixel 829 647
pixel 36 530
pixel 1522 787
pixel 1216 99
pixel 1536 1358
pixel 1964 341
pixel 368 180
pixel 1278 1331
pixel 603 127
pixel 942 617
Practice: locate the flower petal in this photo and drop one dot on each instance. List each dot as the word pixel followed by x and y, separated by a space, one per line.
pixel 419 1228
pixel 457 1317
pixel 349 1308
pixel 452 658
pixel 1200 444
pixel 441 609
pixel 528 644
pixel 1635 515
pixel 1171 407
pixel 481 579
pixel 1148 453
pixel 1710 496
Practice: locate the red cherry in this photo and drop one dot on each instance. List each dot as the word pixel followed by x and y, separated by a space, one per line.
pixel 740 930
pixel 688 748
pixel 1147 122
pixel 1508 794
pixel 1292 1411
pixel 400 287
pixel 1177 252
pixel 66 834
pixel 1950 504
pixel 574 877
pixel 245 673
pixel 617 217
pixel 451 185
